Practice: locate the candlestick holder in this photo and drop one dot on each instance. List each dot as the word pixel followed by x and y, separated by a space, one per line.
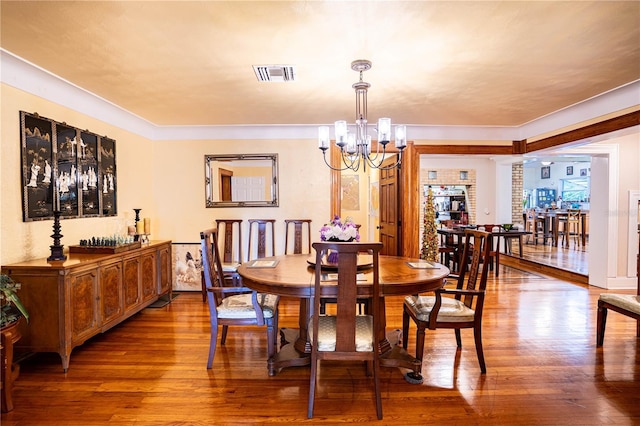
pixel 137 219
pixel 135 223
pixel 56 248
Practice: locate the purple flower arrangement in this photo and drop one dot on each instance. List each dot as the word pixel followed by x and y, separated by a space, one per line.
pixel 336 230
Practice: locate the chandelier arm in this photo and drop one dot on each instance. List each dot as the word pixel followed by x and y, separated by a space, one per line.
pixel 324 156
pixel 378 165
pixel 374 157
pixel 349 161
pixel 397 164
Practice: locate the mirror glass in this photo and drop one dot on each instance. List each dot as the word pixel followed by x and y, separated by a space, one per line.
pixel 241 180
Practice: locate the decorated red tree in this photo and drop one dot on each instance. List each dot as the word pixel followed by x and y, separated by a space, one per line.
pixel 429 250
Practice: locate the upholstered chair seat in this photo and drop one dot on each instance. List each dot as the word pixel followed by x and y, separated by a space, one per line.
pixel 629 302
pixel 625 304
pixel 241 306
pixel 451 310
pixel 327 333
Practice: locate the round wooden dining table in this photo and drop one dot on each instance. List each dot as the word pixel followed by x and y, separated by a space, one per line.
pixel 293 276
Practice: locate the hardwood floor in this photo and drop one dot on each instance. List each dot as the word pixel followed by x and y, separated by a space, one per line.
pixel 572 258
pixel 543 368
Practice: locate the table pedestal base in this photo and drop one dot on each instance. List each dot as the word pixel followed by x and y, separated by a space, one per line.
pixel 296 353
pixel 289 355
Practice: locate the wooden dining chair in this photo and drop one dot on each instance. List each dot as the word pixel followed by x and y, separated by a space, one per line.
pixel 494 244
pixel 230 303
pixel 464 309
pixel 345 336
pixel 447 250
pixel 297 236
pixel 260 231
pixel 230 232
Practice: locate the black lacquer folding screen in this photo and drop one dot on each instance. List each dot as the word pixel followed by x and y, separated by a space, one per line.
pixel 66 168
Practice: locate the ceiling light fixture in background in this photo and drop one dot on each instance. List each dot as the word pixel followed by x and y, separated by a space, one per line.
pixel 355 148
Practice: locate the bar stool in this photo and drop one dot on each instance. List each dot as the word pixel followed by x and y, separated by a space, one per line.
pixel 530 224
pixel 297 235
pixel 261 237
pixel 540 227
pixel 574 228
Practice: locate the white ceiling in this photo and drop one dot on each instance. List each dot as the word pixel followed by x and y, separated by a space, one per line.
pixel 449 63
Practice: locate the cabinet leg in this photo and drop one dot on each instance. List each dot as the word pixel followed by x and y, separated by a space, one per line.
pixel 10 371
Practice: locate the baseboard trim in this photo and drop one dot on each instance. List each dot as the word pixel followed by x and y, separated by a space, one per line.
pixel 527 265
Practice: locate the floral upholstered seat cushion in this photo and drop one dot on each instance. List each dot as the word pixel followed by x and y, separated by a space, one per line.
pixel 327 333
pixel 451 310
pixel 240 306
pixel 630 302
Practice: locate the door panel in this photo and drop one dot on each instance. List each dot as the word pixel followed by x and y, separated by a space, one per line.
pixel 389 223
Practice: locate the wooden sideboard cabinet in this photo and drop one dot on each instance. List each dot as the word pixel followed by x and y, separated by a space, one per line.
pixel 73 300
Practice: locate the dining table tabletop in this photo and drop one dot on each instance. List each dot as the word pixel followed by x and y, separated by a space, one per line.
pixel 293 276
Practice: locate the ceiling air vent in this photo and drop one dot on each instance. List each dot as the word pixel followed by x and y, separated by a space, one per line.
pixel 275 73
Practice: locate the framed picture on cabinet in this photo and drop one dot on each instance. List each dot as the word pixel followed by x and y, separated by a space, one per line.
pixel 186 261
pixel 545 172
pixel 569 170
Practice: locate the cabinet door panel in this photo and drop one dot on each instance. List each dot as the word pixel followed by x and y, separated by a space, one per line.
pixel 165 269
pixel 131 277
pixel 148 276
pixel 83 305
pixel 111 292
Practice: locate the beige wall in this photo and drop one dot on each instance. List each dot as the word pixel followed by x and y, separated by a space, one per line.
pixel 361 214
pixel 629 180
pixel 179 194
pixel 27 240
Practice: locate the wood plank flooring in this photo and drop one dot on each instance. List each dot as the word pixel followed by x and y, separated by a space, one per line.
pixel 572 258
pixel 539 337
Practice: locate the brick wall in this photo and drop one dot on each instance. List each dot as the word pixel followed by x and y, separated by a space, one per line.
pixel 449 177
pixel 517 190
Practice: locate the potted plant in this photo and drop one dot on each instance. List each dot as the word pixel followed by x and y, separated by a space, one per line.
pixel 11 306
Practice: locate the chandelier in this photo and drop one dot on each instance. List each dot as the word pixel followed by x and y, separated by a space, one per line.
pixel 355 148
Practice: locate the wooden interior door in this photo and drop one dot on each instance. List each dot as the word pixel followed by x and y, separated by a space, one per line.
pixel 389 227
pixel 225 184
